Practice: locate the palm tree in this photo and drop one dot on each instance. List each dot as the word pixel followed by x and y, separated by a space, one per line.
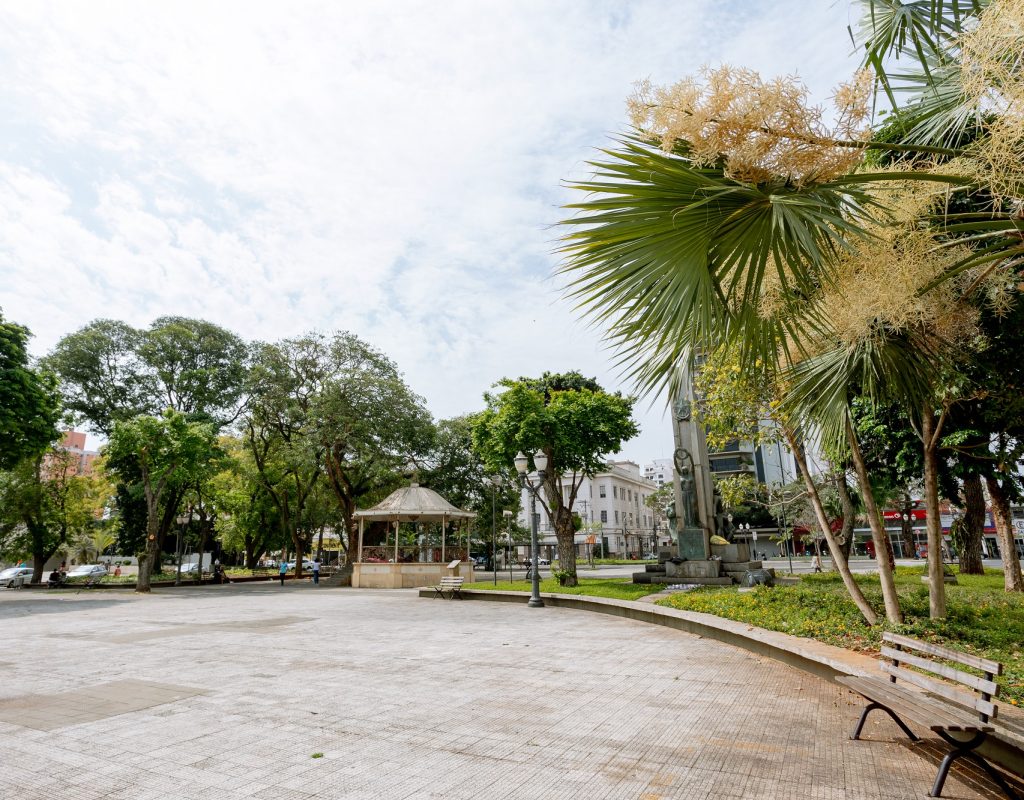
pixel 678 247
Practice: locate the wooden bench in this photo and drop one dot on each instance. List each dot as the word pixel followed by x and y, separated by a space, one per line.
pixel 451 585
pixel 960 718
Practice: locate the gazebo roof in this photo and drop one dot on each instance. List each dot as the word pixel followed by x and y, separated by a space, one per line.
pixel 414 503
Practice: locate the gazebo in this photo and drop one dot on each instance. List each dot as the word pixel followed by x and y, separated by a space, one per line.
pixel 417 558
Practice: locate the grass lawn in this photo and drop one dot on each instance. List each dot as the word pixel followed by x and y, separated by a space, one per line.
pixel 619 588
pixel 982 618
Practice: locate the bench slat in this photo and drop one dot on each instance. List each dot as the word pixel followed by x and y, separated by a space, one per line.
pixel 912 705
pixel 942 689
pixel 984 664
pixel 946 671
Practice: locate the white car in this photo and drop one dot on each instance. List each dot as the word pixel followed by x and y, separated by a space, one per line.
pixel 10 575
pixel 87 571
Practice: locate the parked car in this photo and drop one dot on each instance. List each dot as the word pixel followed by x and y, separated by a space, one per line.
pixel 10 575
pixel 87 571
pixel 307 566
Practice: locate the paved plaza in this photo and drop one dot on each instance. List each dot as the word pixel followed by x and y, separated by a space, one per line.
pixel 236 691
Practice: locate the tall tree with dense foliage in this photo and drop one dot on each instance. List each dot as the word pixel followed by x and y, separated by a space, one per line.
pixel 574 421
pixel 29 404
pixel 281 431
pixel 369 422
pixel 171 453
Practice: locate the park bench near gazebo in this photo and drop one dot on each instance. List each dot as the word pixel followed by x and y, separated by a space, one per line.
pixel 421 557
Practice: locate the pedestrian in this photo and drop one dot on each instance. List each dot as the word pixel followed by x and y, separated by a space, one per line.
pixel 117 571
pixel 316 571
pixel 283 570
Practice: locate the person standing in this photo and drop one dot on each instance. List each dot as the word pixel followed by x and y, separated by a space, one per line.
pixel 283 570
pixel 316 571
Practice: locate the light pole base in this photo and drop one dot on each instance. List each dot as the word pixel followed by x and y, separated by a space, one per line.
pixel 535 602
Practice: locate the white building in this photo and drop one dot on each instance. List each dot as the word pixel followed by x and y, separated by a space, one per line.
pixel 659 471
pixel 611 505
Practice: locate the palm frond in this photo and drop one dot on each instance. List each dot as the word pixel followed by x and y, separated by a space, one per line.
pixel 668 256
pixel 885 369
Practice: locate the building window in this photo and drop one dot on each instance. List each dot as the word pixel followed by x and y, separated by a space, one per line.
pixel 616 517
pixel 630 493
pixel 615 492
pixel 604 516
pixel 602 490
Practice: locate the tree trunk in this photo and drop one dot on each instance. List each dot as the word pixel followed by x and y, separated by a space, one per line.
pixel 973 528
pixel 151 554
pixel 883 548
pixel 838 557
pixel 849 515
pixel 936 573
pixel 1013 581
pixel 38 564
pixel 565 534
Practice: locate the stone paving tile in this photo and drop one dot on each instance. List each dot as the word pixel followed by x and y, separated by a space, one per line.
pixel 409 698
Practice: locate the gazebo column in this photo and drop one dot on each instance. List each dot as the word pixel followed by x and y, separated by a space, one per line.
pixel 360 540
pixel 397 523
pixel 444 530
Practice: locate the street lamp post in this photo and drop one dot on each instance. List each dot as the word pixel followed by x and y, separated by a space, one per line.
pixel 508 550
pixel 540 461
pixel 182 520
pixel 495 483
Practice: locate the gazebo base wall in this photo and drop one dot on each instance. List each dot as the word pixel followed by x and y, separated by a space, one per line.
pixel 375 575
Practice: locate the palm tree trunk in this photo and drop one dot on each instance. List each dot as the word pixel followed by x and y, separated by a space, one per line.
pixel 1013 581
pixel 936 574
pixel 883 549
pixel 849 513
pixel 973 526
pixel 839 560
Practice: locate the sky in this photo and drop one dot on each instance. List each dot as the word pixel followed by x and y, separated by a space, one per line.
pixel 392 169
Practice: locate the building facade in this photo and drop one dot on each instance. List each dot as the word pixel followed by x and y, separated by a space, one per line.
pixel 616 520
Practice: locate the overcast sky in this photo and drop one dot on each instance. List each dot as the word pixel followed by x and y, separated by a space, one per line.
pixel 392 169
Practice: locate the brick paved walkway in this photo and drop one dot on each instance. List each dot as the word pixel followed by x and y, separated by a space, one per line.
pixel 227 693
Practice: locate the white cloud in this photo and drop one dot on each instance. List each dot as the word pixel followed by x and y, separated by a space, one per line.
pixel 392 169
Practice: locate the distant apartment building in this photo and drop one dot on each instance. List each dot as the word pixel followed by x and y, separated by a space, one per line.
pixel 659 471
pixel 612 507
pixel 80 460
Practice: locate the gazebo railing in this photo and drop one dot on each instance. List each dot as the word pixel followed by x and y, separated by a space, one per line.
pixel 413 554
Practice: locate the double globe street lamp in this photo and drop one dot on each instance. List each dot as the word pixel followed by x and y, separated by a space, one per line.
pixel 540 462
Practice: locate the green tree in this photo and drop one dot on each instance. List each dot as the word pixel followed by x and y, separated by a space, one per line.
pixel 29 404
pixel 111 372
pixel 45 506
pixel 574 421
pixel 103 376
pixel 281 432
pixel 171 453
pixel 370 424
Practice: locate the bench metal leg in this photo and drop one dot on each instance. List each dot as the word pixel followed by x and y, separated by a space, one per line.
pixel 871 707
pixel 965 749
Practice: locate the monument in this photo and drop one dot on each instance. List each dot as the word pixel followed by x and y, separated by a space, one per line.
pixel 694 515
